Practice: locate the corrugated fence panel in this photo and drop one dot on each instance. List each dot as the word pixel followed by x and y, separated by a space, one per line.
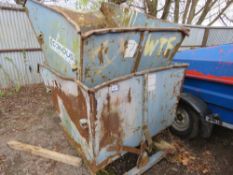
pixel 19 49
pixel 19 68
pixel 10 5
pixel 16 31
pixel 219 36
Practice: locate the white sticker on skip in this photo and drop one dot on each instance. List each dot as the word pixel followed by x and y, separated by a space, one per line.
pixel 62 51
pixel 115 88
pixel 151 82
pixel 130 49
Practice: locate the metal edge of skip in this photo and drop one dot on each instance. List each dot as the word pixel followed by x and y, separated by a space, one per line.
pixel 115 80
pixel 152 161
pixel 183 30
pixel 125 77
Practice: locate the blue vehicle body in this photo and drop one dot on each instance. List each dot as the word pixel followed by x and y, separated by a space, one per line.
pixel 210 77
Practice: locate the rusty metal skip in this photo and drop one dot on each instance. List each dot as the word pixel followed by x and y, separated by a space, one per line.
pixel 111 77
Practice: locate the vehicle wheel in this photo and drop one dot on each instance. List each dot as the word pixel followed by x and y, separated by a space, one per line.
pixel 186 124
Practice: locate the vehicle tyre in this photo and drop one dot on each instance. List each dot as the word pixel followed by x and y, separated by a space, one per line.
pixel 186 124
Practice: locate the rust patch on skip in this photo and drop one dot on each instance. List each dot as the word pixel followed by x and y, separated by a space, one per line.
pixel 86 21
pixel 129 96
pixel 106 50
pixel 40 39
pixel 138 54
pixel 91 165
pixel 111 124
pixel 100 54
pixel 121 148
pixel 93 119
pixel 176 48
pixel 75 106
pixel 123 47
pixel 177 88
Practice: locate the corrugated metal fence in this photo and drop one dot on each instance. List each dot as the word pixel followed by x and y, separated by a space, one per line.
pixel 201 36
pixel 20 51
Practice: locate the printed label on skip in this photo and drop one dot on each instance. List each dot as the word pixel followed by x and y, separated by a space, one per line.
pixel 62 51
pixel 115 88
pixel 130 49
pixel 151 82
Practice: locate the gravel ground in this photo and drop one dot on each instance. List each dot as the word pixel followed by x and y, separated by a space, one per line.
pixel 29 116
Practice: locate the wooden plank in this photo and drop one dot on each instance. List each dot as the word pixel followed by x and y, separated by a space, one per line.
pixel 67 159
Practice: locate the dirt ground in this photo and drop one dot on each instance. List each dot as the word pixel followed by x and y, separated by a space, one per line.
pixel 28 116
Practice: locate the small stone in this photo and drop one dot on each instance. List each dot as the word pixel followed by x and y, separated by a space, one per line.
pixel 174 169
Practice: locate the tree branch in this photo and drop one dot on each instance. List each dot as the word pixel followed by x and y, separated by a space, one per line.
pixel 192 11
pixel 228 4
pixel 208 5
pixel 186 11
pixel 166 9
pixel 151 6
pixel 176 11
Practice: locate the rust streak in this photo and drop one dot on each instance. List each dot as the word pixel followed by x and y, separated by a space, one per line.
pixel 111 122
pixel 121 148
pixel 125 47
pixel 93 119
pixel 138 54
pixel 40 39
pixel 129 96
pixel 100 54
pixel 106 50
pixel 75 106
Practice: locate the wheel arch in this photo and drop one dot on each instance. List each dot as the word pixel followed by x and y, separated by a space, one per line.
pixel 201 108
pixel 196 103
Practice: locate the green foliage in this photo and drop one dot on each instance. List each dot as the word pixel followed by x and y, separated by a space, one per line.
pixel 2 93
pixel 17 88
pixel 24 55
pixel 10 60
pixel 6 74
pixel 10 92
pixel 84 2
pixel 88 5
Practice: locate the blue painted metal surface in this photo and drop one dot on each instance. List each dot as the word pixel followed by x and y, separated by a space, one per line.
pixel 113 84
pixel 56 34
pixel 102 53
pixel 116 112
pixel 86 47
pixel 210 77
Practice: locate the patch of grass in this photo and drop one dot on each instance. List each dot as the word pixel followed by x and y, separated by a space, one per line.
pixel 17 88
pixel 10 92
pixel 2 93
